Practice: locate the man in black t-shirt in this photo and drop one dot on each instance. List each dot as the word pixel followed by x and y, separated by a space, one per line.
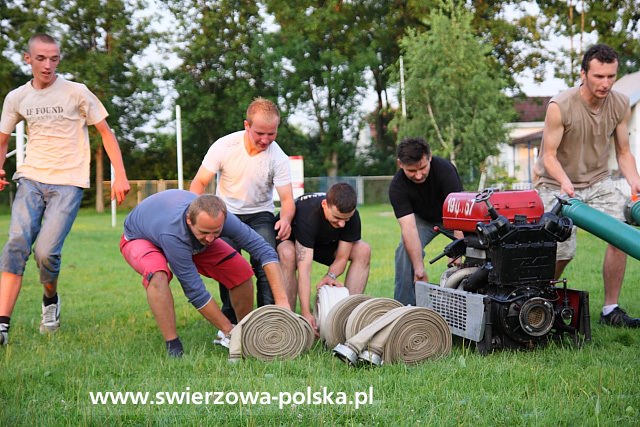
pixel 325 229
pixel 417 193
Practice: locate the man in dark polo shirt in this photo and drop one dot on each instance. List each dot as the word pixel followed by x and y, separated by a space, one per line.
pixel 417 193
pixel 325 229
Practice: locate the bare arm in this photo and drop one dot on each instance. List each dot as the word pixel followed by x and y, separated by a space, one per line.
pixel 4 146
pixel 339 264
pixel 201 180
pixel 552 136
pixel 287 211
pixel 212 313
pixel 276 283
pixel 413 246
pixel 304 261
pixel 626 160
pixel 120 185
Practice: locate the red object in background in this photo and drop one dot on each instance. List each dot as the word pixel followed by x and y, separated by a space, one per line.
pixel 461 211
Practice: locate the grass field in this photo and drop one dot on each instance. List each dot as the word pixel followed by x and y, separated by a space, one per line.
pixel 109 342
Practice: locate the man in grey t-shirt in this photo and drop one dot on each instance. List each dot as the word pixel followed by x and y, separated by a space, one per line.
pixel 574 157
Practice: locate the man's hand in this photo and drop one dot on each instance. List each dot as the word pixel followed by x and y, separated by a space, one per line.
pixel 283 228
pixel 635 187
pixel 455 261
pixel 309 318
pixel 330 281
pixel 284 303
pixel 120 189
pixel 419 275
pixel 567 188
pixel 3 180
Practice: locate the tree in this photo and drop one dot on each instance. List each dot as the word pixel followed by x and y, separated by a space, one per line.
pixel 156 160
pixel 321 70
pixel 515 36
pixel 100 43
pixel 222 50
pixel 19 21
pixel 454 98
pixel 615 22
pixel 384 25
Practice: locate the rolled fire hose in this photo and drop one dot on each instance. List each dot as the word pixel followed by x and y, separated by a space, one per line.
pixel 326 297
pixel 607 228
pixel 270 332
pixel 333 330
pixel 408 334
pixel 366 313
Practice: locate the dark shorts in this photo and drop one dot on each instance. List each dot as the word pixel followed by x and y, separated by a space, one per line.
pixel 603 196
pixel 325 254
pixel 218 261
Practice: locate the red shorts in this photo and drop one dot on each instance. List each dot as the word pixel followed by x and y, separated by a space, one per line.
pixel 218 261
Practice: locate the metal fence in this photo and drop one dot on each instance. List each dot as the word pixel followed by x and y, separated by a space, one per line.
pixel 370 189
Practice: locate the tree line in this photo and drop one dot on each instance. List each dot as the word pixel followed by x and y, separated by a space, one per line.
pixel 317 59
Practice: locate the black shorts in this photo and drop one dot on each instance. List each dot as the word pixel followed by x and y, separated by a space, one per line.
pixel 325 254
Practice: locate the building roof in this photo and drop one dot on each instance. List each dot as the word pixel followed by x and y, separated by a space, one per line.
pixel 532 108
pixel 630 86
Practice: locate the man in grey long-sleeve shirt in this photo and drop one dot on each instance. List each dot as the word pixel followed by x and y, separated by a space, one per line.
pixel 180 229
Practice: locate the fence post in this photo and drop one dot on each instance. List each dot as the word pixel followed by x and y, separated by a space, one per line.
pixel 360 189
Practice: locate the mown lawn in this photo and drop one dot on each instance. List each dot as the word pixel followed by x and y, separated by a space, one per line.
pixel 109 342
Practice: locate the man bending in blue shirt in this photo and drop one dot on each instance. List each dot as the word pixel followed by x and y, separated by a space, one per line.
pixel 181 229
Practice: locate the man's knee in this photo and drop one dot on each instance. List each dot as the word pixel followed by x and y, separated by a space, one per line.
pixel 48 263
pixel 158 280
pixel 243 293
pixel 286 252
pixel 361 252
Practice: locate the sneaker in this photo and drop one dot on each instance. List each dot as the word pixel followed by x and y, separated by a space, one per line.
pixel 618 317
pixel 223 340
pixel 4 334
pixel 175 350
pixel 50 318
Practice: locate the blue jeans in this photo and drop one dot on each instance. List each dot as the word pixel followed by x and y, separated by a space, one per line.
pixel 262 223
pixel 405 290
pixel 44 212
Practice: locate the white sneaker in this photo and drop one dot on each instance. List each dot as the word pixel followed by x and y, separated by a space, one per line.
pixel 4 334
pixel 223 340
pixel 50 318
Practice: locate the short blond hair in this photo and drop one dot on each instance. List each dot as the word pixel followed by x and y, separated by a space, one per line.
pixel 262 106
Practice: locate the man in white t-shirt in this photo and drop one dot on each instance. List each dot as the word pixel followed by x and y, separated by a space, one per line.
pixel 53 176
pixel 249 164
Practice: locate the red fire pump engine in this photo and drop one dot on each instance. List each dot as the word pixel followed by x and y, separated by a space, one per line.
pixel 503 293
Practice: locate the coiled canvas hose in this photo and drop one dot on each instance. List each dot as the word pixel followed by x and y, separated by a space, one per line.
pixel 326 297
pixel 367 312
pixel 333 330
pixel 270 332
pixel 408 334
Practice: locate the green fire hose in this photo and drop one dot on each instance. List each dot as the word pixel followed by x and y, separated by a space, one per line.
pixel 617 233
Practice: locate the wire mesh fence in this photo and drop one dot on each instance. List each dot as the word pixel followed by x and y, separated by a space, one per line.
pixel 370 189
